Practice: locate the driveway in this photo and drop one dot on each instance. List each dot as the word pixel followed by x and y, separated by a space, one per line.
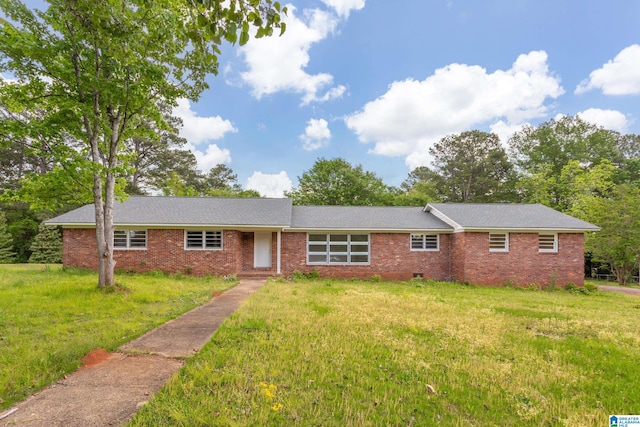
pixel 620 289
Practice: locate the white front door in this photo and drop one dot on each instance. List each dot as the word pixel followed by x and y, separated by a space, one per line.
pixel 262 250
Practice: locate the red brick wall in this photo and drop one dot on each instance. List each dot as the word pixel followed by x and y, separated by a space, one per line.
pixel 248 252
pixel 463 257
pixel 522 265
pixel 165 252
pixel 390 258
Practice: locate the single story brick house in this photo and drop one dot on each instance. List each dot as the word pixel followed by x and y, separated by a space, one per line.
pixel 486 244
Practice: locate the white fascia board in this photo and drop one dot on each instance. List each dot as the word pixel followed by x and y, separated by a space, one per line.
pixel 456 227
pixel 524 230
pixel 180 226
pixel 368 230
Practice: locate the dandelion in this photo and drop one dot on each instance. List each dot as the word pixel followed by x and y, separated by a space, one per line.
pixel 268 390
pixel 277 407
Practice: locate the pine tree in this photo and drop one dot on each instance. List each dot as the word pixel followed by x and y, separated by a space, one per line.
pixel 7 255
pixel 47 246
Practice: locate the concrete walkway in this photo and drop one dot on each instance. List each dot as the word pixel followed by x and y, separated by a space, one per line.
pixel 109 393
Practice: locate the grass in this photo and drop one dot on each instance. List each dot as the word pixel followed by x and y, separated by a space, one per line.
pixel 339 353
pixel 50 318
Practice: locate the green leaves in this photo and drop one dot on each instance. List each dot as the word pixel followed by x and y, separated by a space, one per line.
pixel 337 182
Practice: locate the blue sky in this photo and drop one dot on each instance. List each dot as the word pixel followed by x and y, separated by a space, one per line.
pixel 378 82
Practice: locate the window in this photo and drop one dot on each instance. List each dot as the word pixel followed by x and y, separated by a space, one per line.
pixel 203 240
pixel 424 242
pixel 498 242
pixel 338 249
pixel 130 239
pixel 548 242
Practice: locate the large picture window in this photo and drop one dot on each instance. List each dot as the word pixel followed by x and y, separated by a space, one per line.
pixel 130 239
pixel 338 249
pixel 203 239
pixel 424 242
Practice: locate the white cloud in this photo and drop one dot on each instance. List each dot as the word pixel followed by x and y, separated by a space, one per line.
pixel 506 131
pixel 200 129
pixel 608 119
pixel 278 63
pixel 412 114
pixel 269 185
pixel 344 7
pixel 618 77
pixel 212 156
pixel 316 134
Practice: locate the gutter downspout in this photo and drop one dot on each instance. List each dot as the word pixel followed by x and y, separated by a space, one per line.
pixel 278 250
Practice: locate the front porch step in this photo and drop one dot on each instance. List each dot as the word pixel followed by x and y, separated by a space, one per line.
pixel 256 274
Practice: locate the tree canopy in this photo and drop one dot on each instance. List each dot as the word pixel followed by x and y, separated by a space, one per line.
pixel 338 182
pixel 93 75
pixel 467 167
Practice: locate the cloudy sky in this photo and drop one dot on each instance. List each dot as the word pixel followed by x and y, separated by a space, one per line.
pixel 377 82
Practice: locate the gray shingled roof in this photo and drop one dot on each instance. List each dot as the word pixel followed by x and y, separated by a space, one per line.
pixel 147 210
pixel 365 218
pixel 509 216
pixel 259 212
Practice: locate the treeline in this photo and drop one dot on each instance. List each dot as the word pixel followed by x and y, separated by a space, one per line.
pixel 566 163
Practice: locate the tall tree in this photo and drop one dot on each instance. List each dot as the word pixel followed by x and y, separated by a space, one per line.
pixel 467 167
pixel 96 71
pixel 618 242
pixel 6 242
pixel 542 152
pixel 337 182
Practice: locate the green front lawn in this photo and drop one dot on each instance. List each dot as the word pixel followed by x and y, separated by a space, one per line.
pixel 346 353
pixel 50 318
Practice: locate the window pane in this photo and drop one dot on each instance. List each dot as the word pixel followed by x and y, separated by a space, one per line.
pixel 119 239
pixel 317 237
pixel 317 258
pixel 359 237
pixel 359 248
pixel 417 241
pixel 497 241
pixel 359 258
pixel 547 242
pixel 338 248
pixel 137 239
pixel 213 239
pixel 338 237
pixel 318 248
pixel 338 258
pixel 431 241
pixel 194 239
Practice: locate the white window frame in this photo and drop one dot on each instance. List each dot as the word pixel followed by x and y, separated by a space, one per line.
pixel 327 251
pixel 128 236
pixel 424 247
pixel 506 242
pixel 203 247
pixel 554 249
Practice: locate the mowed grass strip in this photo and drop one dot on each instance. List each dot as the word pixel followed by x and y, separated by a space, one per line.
pixel 50 318
pixel 339 353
